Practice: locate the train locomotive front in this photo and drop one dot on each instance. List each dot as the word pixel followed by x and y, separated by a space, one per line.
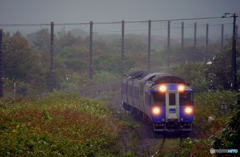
pixel 164 100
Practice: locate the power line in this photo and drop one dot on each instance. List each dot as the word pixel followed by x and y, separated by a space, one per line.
pixel 116 22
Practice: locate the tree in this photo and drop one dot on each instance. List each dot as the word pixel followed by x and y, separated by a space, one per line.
pixel 18 58
pixel 6 34
pixel 75 58
pixel 132 45
pixel 17 34
pixel 66 39
pixel 42 41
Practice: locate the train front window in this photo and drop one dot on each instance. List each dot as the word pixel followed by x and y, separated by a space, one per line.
pixel 186 98
pixel 158 98
pixel 172 99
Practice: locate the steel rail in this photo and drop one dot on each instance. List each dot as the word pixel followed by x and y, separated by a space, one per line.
pixel 160 147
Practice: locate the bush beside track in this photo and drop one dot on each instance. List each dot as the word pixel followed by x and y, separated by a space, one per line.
pixel 209 104
pixel 58 125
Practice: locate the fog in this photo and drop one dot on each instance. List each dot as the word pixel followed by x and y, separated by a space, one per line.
pixel 84 11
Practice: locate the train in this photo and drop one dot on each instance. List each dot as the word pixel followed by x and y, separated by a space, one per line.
pixel 163 100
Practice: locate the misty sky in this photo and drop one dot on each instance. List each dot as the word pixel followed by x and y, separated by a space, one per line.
pixel 81 11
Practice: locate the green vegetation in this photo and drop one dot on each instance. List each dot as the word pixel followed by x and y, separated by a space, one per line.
pixel 230 135
pixel 220 133
pixel 57 125
pixel 27 61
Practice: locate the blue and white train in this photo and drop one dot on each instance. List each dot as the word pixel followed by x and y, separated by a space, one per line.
pixel 163 100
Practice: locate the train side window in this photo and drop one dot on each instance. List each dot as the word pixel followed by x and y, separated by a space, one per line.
pixel 141 88
pixel 124 88
pixel 146 98
pixel 136 92
pixel 129 90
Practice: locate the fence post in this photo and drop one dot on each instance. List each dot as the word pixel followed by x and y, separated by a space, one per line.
pixel 1 64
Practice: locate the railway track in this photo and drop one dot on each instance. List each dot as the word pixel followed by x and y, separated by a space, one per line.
pixel 159 148
pixel 170 138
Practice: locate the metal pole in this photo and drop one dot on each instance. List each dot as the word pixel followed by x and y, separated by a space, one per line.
pixel 212 76
pixel 234 65
pixel 149 43
pixel 222 36
pixel 168 43
pixel 122 58
pixel 14 90
pixel 1 64
pixel 236 39
pixel 195 41
pixel 90 61
pixel 52 55
pixel 206 42
pixel 182 40
pixel 236 33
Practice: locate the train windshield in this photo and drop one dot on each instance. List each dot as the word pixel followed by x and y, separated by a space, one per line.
pixel 186 98
pixel 158 98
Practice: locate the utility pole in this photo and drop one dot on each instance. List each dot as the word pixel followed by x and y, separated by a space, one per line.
pixel 206 42
pixel 195 42
pixel 222 36
pixel 182 42
pixel 168 45
pixel 52 56
pixel 234 85
pixel 90 58
pixel 149 43
pixel 122 58
pixel 1 65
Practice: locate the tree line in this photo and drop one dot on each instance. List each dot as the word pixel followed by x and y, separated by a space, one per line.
pixel 27 61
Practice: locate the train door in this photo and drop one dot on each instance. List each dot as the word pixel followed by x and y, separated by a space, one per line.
pixel 172 106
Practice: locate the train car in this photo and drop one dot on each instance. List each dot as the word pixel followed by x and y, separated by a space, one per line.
pixel 165 101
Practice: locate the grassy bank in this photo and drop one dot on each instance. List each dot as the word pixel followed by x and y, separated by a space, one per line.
pixel 57 125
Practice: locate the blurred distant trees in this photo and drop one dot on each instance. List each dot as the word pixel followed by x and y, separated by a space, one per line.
pixel 27 61
pixel 199 75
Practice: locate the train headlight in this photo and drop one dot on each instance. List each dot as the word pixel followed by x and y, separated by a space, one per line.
pixel 162 88
pixel 181 88
pixel 188 110
pixel 156 110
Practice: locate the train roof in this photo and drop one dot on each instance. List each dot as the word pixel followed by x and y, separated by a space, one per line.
pixel 166 78
pixel 155 77
pixel 136 74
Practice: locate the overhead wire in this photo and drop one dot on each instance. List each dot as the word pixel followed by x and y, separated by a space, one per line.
pixel 114 22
